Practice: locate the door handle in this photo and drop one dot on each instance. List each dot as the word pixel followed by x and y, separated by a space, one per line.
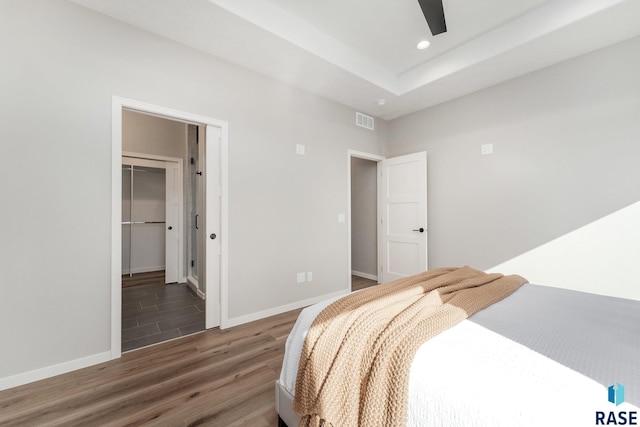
pixel 212 236
pixel 170 227
pixel 419 229
pixel 197 228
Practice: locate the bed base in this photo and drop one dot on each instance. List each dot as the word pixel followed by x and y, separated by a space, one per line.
pixel 284 407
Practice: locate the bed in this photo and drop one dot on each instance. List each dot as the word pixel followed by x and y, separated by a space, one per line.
pixel 541 356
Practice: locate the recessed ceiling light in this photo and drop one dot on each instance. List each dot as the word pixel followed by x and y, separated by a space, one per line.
pixel 381 102
pixel 423 44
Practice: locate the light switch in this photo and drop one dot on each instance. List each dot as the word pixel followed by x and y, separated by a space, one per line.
pixel 341 217
pixel 300 277
pixel 486 149
pixel 300 149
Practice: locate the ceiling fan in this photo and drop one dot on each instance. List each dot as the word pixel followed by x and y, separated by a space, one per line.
pixel 434 14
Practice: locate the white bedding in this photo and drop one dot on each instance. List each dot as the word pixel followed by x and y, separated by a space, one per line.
pixel 472 376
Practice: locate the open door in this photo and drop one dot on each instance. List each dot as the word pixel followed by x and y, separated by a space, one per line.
pixel 403 199
pixel 212 227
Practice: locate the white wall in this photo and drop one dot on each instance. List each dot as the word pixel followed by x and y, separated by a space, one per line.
pixel 364 214
pixel 142 133
pixel 61 66
pixel 566 151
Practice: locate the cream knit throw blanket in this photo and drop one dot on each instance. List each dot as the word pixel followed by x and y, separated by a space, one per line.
pixel 354 366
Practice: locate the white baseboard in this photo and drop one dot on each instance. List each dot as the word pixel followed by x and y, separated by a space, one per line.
pixel 193 284
pixel 364 275
pixel 52 371
pixel 235 321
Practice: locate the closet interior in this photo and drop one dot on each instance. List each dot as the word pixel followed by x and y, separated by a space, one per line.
pixel 143 219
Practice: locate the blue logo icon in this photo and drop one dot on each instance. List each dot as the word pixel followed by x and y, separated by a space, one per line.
pixel 616 394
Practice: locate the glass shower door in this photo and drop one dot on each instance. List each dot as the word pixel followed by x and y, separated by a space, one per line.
pixel 195 219
pixel 193 215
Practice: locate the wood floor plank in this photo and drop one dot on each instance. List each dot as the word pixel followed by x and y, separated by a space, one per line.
pixel 134 390
pixel 163 400
pixel 201 378
pixel 141 279
pixel 212 378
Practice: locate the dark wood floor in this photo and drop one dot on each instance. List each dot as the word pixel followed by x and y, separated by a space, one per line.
pixel 213 378
pixel 358 283
pixel 152 277
pixel 153 312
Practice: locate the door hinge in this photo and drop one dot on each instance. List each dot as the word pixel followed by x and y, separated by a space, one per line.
pixel 192 263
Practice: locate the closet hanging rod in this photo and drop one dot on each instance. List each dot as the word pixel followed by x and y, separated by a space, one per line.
pixel 142 222
pixel 128 168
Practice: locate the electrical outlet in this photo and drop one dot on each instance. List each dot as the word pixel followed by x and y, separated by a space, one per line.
pixel 486 149
pixel 309 276
pixel 300 277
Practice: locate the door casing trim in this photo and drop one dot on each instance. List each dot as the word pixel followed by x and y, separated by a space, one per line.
pixel 376 158
pixel 118 104
pixel 139 159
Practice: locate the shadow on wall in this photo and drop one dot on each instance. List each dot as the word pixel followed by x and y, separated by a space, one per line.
pixel 601 257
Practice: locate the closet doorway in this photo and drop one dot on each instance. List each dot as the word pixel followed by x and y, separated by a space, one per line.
pixel 167 141
pixel 151 216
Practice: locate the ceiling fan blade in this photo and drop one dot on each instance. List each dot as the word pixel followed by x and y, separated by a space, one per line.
pixel 434 14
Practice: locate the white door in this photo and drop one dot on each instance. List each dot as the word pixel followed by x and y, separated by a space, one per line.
pixel 212 227
pixel 173 203
pixel 404 215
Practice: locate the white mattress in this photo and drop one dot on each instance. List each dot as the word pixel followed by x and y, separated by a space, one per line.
pixel 472 376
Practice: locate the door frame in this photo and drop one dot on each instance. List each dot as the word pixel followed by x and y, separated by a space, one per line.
pixel 118 104
pixel 141 159
pixel 376 158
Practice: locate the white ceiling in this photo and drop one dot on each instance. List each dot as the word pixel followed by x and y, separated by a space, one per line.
pixel 357 52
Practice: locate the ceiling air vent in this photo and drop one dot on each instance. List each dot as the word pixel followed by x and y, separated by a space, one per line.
pixel 364 121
